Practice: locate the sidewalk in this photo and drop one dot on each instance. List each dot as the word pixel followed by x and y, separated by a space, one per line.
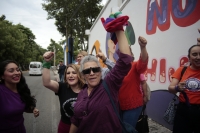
pixel 157 128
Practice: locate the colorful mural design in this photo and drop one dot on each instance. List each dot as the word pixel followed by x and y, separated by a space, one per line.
pixel 111 48
pixel 96 48
pixel 158 15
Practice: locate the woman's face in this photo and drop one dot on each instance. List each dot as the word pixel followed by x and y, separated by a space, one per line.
pixel 71 76
pixel 12 74
pixel 195 57
pixel 93 75
pixel 79 58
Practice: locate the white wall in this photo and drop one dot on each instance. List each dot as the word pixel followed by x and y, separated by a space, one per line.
pixel 171 44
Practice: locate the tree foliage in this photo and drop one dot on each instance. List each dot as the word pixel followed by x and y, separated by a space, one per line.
pixel 79 15
pixel 17 43
pixel 59 53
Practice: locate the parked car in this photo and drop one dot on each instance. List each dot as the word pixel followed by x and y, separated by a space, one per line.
pixel 35 68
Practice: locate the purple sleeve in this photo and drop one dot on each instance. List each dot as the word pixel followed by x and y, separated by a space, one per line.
pixel 120 70
pixel 75 121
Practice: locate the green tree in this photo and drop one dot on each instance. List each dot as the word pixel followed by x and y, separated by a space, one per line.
pixel 59 51
pixel 31 51
pixel 17 43
pixel 3 17
pixel 77 48
pixel 11 41
pixel 78 14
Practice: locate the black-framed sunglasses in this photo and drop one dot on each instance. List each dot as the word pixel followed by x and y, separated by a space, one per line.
pixel 93 69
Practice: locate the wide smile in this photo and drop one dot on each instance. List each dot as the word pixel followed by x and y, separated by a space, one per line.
pixel 71 80
pixel 197 62
pixel 16 78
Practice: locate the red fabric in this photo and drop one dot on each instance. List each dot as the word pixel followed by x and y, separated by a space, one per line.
pixel 116 24
pixel 194 97
pixel 130 95
pixel 63 128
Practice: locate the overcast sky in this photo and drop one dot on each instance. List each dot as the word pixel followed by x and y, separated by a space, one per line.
pixel 31 15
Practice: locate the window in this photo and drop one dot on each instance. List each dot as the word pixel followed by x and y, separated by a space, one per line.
pixel 34 66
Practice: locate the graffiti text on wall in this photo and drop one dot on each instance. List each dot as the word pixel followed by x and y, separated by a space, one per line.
pixel 159 15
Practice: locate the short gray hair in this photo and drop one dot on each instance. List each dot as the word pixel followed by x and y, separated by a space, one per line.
pixel 88 58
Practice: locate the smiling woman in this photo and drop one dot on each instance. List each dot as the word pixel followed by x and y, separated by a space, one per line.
pixel 187 117
pixel 67 91
pixel 15 98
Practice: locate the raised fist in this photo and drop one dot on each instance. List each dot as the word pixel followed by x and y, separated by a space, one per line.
pixel 101 55
pixel 48 56
pixel 36 112
pixel 142 41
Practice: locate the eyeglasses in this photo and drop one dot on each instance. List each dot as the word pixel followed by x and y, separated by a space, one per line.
pixel 93 69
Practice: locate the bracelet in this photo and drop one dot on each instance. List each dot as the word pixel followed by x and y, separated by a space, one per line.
pixel 46 65
pixel 177 88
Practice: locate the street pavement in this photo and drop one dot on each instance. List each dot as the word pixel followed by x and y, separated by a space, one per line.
pixel 48 105
pixel 157 128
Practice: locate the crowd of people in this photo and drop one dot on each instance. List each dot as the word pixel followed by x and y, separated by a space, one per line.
pixel 85 106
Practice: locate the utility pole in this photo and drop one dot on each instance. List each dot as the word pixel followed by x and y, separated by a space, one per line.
pixel 66 44
pixel 54 56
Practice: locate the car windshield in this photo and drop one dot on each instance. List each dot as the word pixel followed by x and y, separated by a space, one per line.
pixel 34 66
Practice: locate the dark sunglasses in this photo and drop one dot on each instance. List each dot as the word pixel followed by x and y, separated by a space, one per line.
pixel 93 69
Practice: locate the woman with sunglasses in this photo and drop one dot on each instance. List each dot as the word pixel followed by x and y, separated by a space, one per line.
pixel 67 91
pixel 104 70
pixel 93 111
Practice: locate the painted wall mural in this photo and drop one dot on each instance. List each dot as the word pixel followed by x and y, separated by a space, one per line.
pixel 158 15
pixel 170 27
pixel 111 48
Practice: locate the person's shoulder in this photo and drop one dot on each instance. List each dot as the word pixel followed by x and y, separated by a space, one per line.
pixel 181 68
pixel 1 85
pixel 62 85
pixel 178 70
pixel 85 86
pixel 63 66
pixel 134 63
